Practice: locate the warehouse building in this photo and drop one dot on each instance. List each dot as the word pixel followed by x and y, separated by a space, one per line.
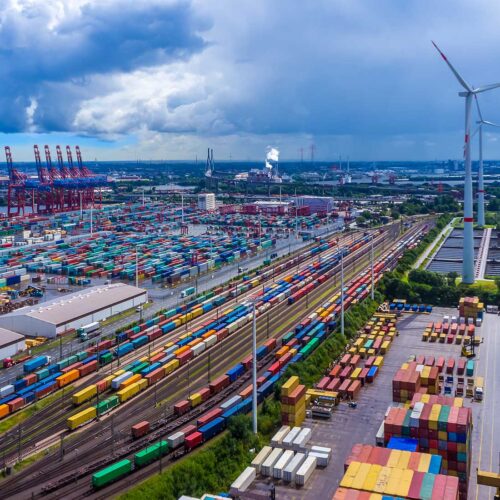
pixel 74 310
pixel 10 343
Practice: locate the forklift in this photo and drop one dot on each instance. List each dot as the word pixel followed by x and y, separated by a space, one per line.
pixel 468 348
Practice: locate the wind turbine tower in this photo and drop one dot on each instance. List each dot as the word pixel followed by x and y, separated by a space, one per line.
pixel 480 178
pixel 468 93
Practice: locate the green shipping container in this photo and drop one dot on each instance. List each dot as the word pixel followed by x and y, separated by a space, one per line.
pixel 106 405
pixel 150 454
pixel 470 368
pixel 111 473
pixel 106 358
pixel 443 418
pixel 140 367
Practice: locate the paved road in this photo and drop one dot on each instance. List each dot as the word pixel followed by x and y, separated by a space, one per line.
pixel 486 441
pixel 165 298
pixel 446 230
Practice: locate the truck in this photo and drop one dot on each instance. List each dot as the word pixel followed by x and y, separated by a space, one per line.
pixel 89 331
pixel 479 389
pixel 492 309
pixel 187 292
pixel 469 391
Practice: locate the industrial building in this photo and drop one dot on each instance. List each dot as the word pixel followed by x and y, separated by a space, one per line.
pixel 206 201
pixel 315 203
pixel 10 343
pixel 268 207
pixel 74 310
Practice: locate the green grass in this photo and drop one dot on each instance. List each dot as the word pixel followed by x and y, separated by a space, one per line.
pixel 20 416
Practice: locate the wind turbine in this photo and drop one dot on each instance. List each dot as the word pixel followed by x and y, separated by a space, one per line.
pixel 480 180
pixel 468 259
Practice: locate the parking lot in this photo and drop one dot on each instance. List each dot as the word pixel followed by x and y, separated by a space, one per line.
pixel 349 426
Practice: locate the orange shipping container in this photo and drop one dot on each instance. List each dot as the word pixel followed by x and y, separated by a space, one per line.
pixel 67 378
pixel 131 380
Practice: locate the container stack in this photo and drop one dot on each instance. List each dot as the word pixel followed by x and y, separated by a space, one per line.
pixel 293 402
pixel 413 378
pixel 470 307
pixel 440 430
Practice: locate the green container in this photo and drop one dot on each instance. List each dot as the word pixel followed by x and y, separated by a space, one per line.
pixel 106 405
pixel 150 454
pixel 111 473
pixel 470 368
pixel 443 418
pixel 427 486
pixel 106 358
pixel 81 355
pixel 140 367
pixel 72 359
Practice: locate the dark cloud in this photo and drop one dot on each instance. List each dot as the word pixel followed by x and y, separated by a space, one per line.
pixel 54 61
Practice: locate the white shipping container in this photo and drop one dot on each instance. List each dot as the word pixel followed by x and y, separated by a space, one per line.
pixel 322 449
pixel 6 390
pixel 231 402
pixel 292 467
pixel 261 457
pixel 270 461
pixel 277 439
pixel 198 348
pixel 379 437
pixel 210 341
pixel 299 443
pixel 284 460
pixel 116 382
pixel 322 459
pixel 243 481
pixel 175 440
pixel 289 438
pixel 305 471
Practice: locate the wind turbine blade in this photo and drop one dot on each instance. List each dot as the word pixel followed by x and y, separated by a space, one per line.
pixel 478 109
pixel 462 82
pixel 475 132
pixel 491 124
pixel 486 87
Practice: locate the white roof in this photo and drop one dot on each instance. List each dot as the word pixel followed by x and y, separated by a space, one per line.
pixel 79 304
pixel 8 337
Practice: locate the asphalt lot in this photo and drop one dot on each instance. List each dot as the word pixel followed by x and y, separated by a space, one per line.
pixel 350 426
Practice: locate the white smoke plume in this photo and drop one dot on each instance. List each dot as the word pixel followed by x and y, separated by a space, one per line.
pixel 271 155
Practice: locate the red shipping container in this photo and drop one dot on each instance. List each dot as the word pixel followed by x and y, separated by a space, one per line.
pixel 369 362
pixel 285 359
pixel 31 378
pixel 345 360
pixel 185 357
pixel 247 362
pixel 105 344
pixel 345 373
pixel 270 344
pixel 353 390
pixel 334 385
pixel 260 381
pixel 247 391
pixel 182 407
pixel 15 404
pixel 222 334
pixel 343 387
pixel 208 417
pixel 193 440
pixel 362 375
pixel 189 429
pixel 157 357
pixel 355 360
pixel 88 368
pixel 450 366
pixel 323 383
pixel 429 361
pixel 420 359
pixel 335 371
pixel 140 429
pixel 204 393
pixel 451 488
pixel 298 393
pixel 154 334
pixel 155 375
pixel 274 368
pixel 72 367
pixel 219 383
pixel 103 385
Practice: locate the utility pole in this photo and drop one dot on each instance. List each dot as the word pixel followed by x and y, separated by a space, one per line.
pixel 81 207
pixel 91 219
pixel 342 292
pixel 19 434
pixel 182 208
pixel 61 448
pixel 371 270
pixel 254 370
pixel 136 268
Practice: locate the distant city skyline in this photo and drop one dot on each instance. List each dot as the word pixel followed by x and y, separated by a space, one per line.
pixel 158 79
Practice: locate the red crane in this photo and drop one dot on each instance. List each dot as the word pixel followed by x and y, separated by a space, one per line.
pixel 46 194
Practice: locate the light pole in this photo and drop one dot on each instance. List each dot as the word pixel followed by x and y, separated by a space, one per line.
pixel 342 291
pixel 254 370
pixel 136 268
pixel 371 269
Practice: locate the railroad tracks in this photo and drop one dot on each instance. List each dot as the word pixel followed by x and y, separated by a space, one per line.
pixel 130 413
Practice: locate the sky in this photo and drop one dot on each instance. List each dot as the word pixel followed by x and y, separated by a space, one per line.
pixel 166 79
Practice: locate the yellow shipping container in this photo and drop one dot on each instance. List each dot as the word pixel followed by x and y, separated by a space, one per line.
pixel 385 346
pixel 434 416
pixel 194 342
pixel 371 477
pixel 168 344
pixel 289 386
pixel 81 418
pixel 393 482
pixel 181 350
pixel 143 383
pixel 382 480
pixel 131 380
pixel 355 373
pixel 405 483
pixel 425 460
pixel 376 496
pixel 350 474
pixel 84 395
pixel 362 352
pixel 425 398
pixel 171 366
pixel 128 392
pixel 394 458
pixel 195 399
pixel 404 459
pixel 359 480
pixel 352 351
pixel 379 361
pixel 458 402
pixel 67 378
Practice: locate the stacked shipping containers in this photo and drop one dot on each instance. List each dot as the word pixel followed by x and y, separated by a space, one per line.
pixel 293 402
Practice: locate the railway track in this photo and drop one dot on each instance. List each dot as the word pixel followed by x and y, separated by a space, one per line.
pixel 130 412
pixel 45 423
